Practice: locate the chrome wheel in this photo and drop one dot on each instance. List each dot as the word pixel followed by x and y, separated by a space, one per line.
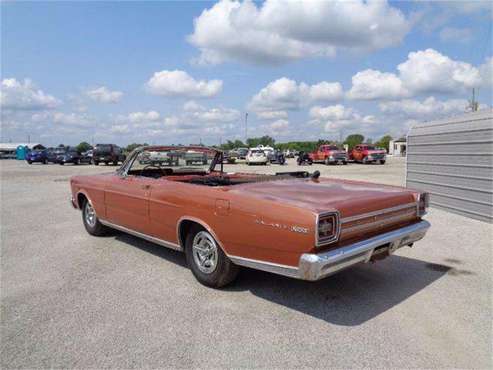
pixel 90 215
pixel 205 253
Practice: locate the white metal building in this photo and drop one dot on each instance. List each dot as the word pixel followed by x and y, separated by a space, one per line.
pixel 452 159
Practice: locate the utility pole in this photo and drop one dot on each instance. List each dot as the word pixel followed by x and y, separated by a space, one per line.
pixel 246 127
pixel 473 104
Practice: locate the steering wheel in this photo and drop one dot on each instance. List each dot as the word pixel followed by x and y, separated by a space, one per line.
pixel 164 171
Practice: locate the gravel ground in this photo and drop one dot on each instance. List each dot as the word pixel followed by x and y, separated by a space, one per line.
pixel 69 300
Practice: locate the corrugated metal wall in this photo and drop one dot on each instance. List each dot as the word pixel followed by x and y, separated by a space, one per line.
pixel 452 159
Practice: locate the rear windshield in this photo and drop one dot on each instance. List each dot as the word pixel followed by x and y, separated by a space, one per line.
pixel 370 147
pixel 103 147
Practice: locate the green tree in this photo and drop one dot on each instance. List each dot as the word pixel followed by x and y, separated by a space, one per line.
pixel 264 140
pixel 353 140
pixel 133 146
pixel 384 142
pixel 83 147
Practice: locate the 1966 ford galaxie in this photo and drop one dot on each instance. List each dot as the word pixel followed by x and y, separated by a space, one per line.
pixel 292 223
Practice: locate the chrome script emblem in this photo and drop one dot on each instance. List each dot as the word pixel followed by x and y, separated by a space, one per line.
pixel 293 228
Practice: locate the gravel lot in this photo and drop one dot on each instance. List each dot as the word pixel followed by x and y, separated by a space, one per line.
pixel 72 300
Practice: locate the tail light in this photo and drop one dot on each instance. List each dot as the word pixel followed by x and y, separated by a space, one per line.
pixel 327 230
pixel 423 203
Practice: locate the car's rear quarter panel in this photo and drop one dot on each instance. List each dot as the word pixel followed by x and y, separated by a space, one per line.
pixel 245 227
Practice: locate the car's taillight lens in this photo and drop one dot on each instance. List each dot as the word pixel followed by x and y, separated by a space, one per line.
pixel 423 203
pixel 327 228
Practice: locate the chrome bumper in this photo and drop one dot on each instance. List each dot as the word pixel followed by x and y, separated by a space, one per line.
pixel 318 266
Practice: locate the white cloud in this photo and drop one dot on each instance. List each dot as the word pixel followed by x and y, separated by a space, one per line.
pixel 72 119
pixel 120 129
pixel 424 71
pixel 140 117
pixel 430 107
pixel 194 111
pixel 456 34
pixel 280 31
pixel 286 94
pixel 337 117
pixel 104 95
pixel 180 83
pixel 24 95
pixel 430 71
pixel 279 127
pixel 370 84
pixel 486 72
pixel 277 114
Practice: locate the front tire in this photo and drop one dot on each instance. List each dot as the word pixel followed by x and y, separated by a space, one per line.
pixel 209 264
pixel 382 162
pixel 91 221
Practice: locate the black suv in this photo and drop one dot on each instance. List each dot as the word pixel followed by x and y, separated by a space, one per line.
pixel 107 153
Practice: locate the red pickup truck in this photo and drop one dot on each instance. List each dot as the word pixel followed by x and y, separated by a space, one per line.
pixel 329 154
pixel 365 153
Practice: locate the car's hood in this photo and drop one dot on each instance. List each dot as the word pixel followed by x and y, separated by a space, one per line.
pixel 347 197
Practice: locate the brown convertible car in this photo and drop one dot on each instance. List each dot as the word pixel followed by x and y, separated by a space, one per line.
pixel 291 223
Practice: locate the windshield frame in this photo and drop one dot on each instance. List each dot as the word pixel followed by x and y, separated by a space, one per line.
pixel 217 159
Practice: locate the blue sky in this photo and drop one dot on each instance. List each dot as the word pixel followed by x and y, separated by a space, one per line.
pixel 184 72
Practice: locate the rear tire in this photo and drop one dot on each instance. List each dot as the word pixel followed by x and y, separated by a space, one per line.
pixel 30 162
pixel 115 163
pixel 382 162
pixel 91 221
pixel 96 163
pixel 209 264
pixel 344 163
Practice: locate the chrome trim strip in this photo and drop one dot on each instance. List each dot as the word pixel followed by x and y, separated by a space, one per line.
pixel 378 213
pixel 380 222
pixel 151 239
pixel 318 266
pixel 275 268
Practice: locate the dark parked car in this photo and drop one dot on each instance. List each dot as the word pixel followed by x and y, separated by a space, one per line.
pixel 54 153
pixel 278 157
pixel 242 153
pixel 71 155
pixel 37 156
pixel 107 153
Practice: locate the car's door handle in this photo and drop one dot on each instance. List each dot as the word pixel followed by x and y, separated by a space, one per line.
pixel 146 186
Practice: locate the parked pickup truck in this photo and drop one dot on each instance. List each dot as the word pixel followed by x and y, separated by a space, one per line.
pixel 329 154
pixel 365 153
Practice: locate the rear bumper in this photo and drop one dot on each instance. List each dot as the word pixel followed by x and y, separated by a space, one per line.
pixel 317 266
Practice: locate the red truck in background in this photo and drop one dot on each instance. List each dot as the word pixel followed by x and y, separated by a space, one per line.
pixel 365 153
pixel 329 154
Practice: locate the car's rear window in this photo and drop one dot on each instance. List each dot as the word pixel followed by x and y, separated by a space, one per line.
pixel 103 147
